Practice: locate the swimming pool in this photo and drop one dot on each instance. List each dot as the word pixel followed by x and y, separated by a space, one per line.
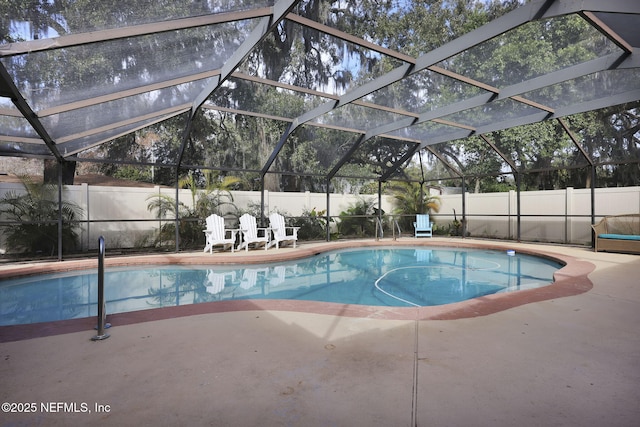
pixel 380 276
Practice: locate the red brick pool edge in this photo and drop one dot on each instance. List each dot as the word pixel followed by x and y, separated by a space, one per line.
pixel 570 280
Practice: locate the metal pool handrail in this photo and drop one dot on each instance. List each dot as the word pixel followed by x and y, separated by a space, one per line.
pixel 102 315
pixel 379 230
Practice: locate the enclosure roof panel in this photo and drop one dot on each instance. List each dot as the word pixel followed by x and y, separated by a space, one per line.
pixel 73 78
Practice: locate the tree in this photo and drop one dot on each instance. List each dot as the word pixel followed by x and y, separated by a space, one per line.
pixel 310 59
pixel 610 137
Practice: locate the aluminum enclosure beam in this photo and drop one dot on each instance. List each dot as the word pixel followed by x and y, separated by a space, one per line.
pixel 600 15
pixel 531 11
pixel 72 40
pixel 9 89
pixel 267 24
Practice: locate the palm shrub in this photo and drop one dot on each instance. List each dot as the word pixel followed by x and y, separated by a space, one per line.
pixel 358 219
pixel 215 198
pixel 35 214
pixel 164 207
pixel 410 199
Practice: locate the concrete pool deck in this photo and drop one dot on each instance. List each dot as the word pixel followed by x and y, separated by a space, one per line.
pixel 569 360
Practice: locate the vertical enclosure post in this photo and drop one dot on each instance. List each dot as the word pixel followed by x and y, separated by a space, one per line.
pixel 593 203
pixel 518 220
pixel 464 209
pixel 379 219
pixel 60 225
pixel 328 218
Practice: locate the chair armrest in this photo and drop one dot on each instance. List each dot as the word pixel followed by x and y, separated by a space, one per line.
pixel 265 231
pixel 233 231
pixel 600 227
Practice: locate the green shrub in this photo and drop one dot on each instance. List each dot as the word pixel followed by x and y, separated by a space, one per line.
pixel 358 219
pixel 313 224
pixel 36 214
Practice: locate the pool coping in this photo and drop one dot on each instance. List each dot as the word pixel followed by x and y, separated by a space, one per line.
pixel 570 280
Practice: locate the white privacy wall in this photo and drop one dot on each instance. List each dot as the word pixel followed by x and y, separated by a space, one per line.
pixel 547 216
pixel 120 214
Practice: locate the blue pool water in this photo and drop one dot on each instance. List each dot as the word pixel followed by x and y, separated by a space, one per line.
pixel 404 277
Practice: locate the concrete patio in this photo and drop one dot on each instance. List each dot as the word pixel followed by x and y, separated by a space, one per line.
pixel 565 361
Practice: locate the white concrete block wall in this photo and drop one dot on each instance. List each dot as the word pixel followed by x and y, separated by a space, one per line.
pixel 609 201
pixel 548 207
pixel 294 204
pixel 489 215
pixel 118 206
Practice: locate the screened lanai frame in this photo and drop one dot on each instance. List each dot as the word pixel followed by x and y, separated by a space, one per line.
pixel 60 123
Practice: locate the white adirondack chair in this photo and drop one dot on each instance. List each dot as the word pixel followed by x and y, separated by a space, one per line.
pixel 216 281
pixel 215 234
pixel 252 234
pixel 282 233
pixel 279 274
pixel 424 227
pixel 250 277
